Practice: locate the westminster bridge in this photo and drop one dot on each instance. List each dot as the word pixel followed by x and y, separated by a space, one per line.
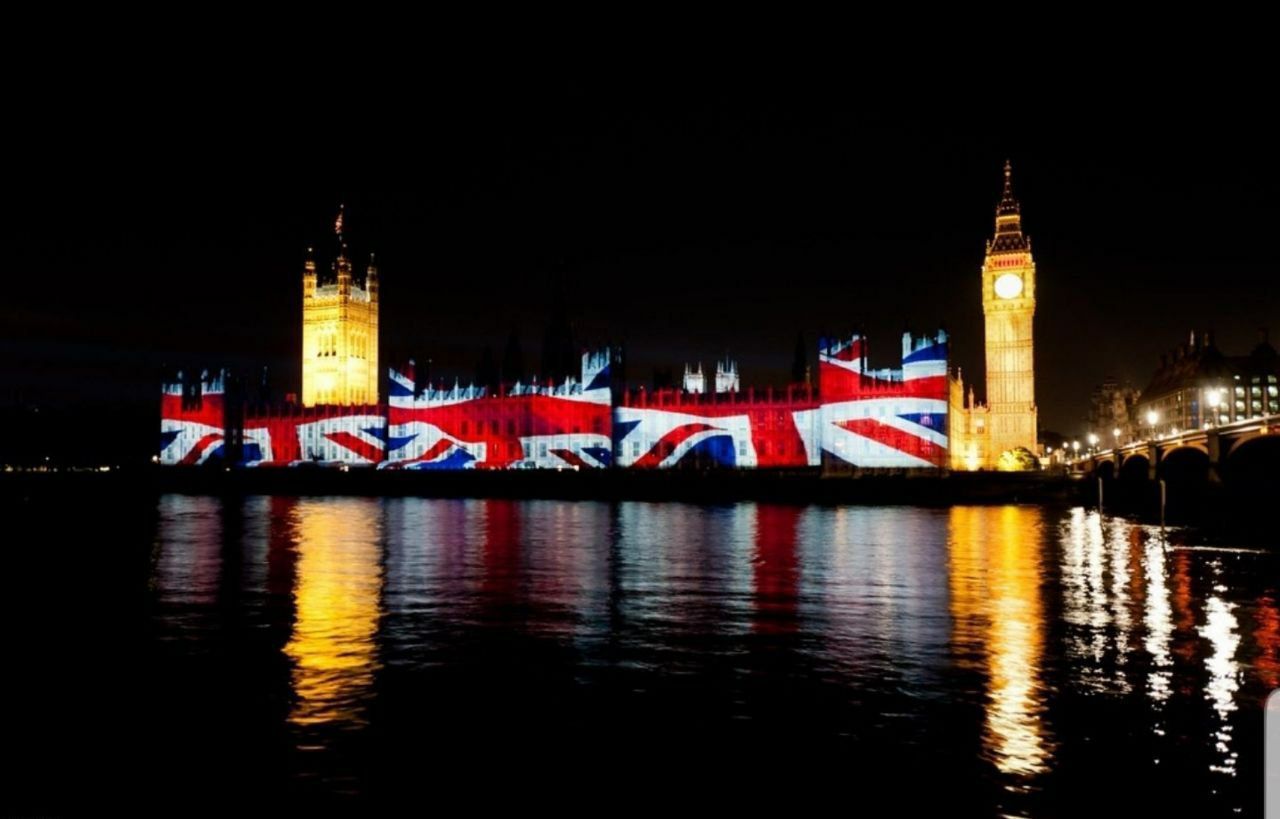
pixel 1239 452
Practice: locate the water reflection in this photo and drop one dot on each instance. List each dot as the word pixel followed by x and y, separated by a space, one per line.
pixel 995 571
pixel 336 601
pixel 1087 610
pixel 188 559
pixel 775 568
pixel 1267 635
pixel 1062 645
pixel 1221 630
pixel 1158 619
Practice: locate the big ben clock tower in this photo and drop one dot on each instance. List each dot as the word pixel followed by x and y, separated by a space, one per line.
pixel 1009 304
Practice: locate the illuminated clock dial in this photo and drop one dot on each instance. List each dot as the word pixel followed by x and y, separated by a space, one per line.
pixel 1009 286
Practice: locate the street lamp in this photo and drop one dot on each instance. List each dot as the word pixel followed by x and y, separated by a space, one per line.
pixel 1214 399
pixel 1093 441
pixel 1075 449
pixel 1115 433
pixel 1152 417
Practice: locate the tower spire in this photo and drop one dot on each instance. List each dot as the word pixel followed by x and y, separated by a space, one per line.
pixel 341 265
pixel 371 278
pixel 337 230
pixel 1008 236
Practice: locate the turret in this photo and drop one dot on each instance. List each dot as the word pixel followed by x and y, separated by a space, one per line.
pixel 371 279
pixel 309 275
pixel 726 376
pixel 694 381
pixel 342 265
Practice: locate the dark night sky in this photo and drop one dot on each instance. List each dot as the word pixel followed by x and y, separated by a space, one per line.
pixel 691 217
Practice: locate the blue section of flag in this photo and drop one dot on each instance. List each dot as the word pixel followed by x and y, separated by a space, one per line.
pixel 396 389
pixel 936 421
pixel 601 380
pixel 601 454
pixel 622 429
pixel 396 442
pixel 459 458
pixel 717 449
pixel 934 352
pixel 393 442
pixel 167 438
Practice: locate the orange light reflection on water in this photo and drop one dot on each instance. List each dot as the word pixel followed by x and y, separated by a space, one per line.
pixel 995 576
pixel 336 598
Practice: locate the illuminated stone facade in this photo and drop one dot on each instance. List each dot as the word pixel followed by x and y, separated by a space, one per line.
pixel 980 433
pixel 339 333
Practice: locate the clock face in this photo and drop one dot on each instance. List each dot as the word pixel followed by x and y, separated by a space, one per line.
pixel 1009 286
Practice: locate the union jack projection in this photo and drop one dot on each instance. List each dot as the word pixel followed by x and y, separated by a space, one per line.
pixel 669 428
pixel 194 424
pixel 192 416
pixel 883 418
pixel 323 435
pixel 889 418
pixel 529 426
pixel 864 418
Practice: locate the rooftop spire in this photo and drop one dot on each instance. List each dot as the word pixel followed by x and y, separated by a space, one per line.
pixel 341 265
pixel 1009 236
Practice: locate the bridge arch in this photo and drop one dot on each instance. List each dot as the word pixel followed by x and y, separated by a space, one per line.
pixel 1253 460
pixel 1187 463
pixel 1135 466
pixel 1199 446
pixel 1236 442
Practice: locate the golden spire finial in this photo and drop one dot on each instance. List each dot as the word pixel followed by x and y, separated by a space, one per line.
pixel 337 224
pixel 1008 218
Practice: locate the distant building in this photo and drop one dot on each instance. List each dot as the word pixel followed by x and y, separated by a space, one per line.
pixel 1197 386
pixel 1111 412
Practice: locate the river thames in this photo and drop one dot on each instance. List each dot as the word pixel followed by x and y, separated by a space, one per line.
pixel 1005 660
